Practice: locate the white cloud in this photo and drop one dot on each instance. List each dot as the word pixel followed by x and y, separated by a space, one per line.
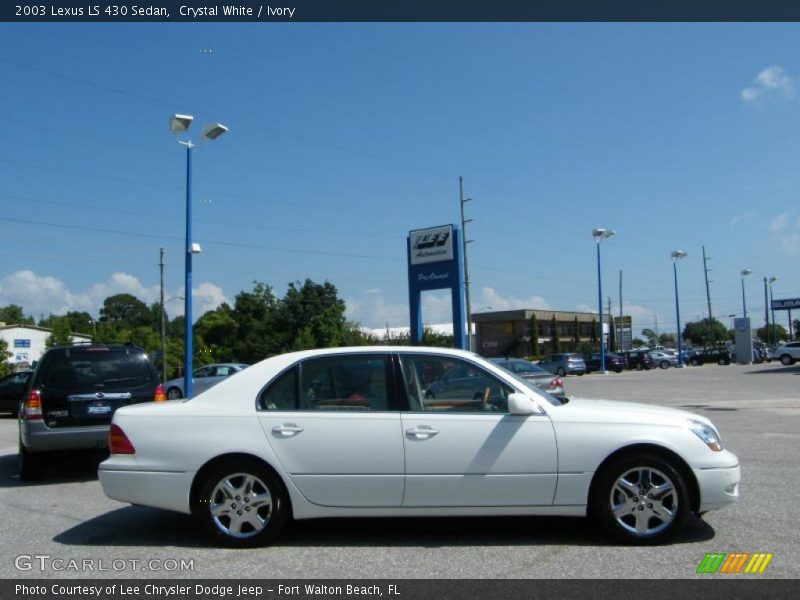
pixel 491 299
pixel 780 222
pixel 743 219
pixel 43 295
pixel 771 81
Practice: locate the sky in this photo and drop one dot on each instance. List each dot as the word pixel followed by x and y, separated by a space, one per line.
pixel 344 137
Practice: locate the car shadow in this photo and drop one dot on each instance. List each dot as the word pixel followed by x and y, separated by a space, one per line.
pixel 74 467
pixel 133 526
pixel 793 369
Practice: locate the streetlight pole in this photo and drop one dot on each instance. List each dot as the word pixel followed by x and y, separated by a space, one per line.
pixel 744 300
pixel 599 234
pixel 676 256
pixel 774 336
pixel 180 124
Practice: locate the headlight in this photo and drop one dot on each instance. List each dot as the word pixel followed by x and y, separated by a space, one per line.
pixel 706 433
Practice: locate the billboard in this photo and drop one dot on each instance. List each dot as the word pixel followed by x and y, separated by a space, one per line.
pixel 434 244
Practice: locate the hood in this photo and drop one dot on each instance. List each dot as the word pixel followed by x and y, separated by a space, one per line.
pixel 615 411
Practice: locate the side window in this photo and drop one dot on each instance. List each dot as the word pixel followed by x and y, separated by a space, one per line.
pixel 474 390
pixel 282 393
pixel 224 371
pixel 356 382
pixel 203 372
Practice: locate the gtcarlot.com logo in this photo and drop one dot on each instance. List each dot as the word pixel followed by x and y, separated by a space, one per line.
pixel 734 563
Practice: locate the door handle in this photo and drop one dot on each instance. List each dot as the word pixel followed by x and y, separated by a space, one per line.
pixel 287 430
pixel 422 432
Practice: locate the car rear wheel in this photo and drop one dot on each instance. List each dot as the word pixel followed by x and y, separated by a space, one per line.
pixel 664 364
pixel 30 464
pixel 174 393
pixel 640 499
pixel 242 504
pixel 560 372
pixel 694 362
pixel 786 359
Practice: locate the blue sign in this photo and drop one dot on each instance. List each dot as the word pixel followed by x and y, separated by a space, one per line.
pixel 786 304
pixel 19 343
pixel 435 263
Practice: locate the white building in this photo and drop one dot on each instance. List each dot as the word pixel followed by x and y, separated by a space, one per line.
pixel 26 343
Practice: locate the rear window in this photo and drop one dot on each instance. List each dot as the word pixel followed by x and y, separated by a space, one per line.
pixel 106 369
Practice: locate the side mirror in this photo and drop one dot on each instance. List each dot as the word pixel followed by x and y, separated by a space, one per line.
pixel 520 404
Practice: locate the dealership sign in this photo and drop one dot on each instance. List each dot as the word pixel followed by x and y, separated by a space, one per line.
pixel 431 245
pixel 786 304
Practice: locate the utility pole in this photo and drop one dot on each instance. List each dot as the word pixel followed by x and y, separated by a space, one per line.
pixel 610 325
pixel 163 323
pixel 464 242
pixel 708 296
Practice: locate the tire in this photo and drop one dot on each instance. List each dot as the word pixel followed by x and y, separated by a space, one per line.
pixel 694 362
pixel 787 360
pixel 724 361
pixel 174 393
pixel 640 499
pixel 664 364
pixel 30 464
pixel 561 372
pixel 639 366
pixel 243 484
pixel 618 370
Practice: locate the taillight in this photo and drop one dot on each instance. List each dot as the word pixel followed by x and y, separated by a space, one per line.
pixel 118 442
pixel 33 405
pixel 556 382
pixel 159 396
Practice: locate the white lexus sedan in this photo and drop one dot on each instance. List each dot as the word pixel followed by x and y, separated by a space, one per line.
pixel 411 431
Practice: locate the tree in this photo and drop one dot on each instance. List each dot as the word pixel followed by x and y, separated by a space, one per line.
pixel 60 335
pixel 14 315
pixel 126 311
pixel 78 322
pixel 637 342
pixel 705 333
pixel 534 329
pixel 257 333
pixel 652 337
pixel 593 335
pixel 315 307
pixel 612 335
pixel 666 338
pixel 555 342
pixel 576 338
pixel 775 332
pixel 215 331
pixel 5 368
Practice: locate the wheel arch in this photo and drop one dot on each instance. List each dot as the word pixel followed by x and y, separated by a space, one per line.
pixel 636 449
pixel 213 463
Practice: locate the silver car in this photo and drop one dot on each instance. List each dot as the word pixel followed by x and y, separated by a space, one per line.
pixel 663 359
pixel 545 380
pixel 564 364
pixel 202 379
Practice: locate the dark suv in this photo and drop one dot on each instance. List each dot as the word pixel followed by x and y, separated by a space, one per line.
pixel 73 394
pixel 639 359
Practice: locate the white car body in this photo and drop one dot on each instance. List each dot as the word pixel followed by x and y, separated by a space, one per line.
pixel 788 353
pixel 386 463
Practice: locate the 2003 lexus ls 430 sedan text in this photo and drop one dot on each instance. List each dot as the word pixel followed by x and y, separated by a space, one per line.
pixel 356 432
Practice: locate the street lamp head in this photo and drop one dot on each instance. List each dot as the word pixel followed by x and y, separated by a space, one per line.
pixel 773 279
pixel 602 233
pixel 746 272
pixel 678 254
pixel 213 131
pixel 180 123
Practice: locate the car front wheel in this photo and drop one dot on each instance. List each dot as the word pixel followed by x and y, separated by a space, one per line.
pixel 242 504
pixel 664 364
pixel 561 372
pixel 640 499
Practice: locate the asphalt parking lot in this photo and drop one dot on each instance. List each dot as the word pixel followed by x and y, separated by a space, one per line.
pixel 757 409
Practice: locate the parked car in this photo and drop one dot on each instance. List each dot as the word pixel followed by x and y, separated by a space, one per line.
pixel 202 379
pixel 788 353
pixel 74 392
pixel 663 359
pixel 721 356
pixel 287 438
pixel 12 389
pixel 614 362
pixel 566 363
pixel 534 374
pixel 639 359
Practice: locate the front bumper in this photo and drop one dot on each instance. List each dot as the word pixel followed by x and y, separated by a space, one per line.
pixel 719 487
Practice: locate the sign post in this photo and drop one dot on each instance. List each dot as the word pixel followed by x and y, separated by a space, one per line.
pixel 435 263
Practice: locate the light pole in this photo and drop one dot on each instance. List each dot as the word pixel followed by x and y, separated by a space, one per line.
pixel 598 235
pixel 744 300
pixel 164 334
pixel 180 124
pixel 774 335
pixel 676 256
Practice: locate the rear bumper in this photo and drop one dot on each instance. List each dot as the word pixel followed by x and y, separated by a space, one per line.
pixel 159 489
pixel 38 437
pixel 718 487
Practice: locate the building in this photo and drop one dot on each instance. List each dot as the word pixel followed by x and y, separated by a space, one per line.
pixel 508 332
pixel 27 343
